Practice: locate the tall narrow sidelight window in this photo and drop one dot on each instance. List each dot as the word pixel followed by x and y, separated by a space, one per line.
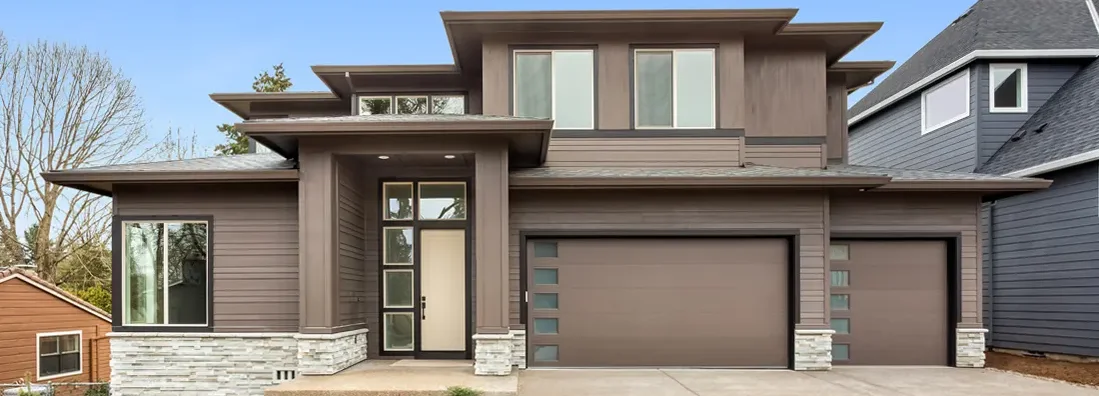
pixel 165 270
pixel 557 84
pixel 674 88
pixel 1007 88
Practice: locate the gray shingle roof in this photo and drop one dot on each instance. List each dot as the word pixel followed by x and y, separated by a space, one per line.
pixel 921 175
pixel 686 172
pixel 992 25
pixel 1071 119
pixel 241 162
pixel 396 118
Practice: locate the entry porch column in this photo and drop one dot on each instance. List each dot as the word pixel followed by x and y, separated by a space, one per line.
pixel 492 341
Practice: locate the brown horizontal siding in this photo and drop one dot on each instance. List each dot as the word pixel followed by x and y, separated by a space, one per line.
pixel 644 152
pixel 255 252
pixel 25 312
pixel 908 213
pixel 792 156
pixel 351 245
pixel 678 211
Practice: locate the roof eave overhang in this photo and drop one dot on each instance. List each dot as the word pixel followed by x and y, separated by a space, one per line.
pixel 240 102
pixel 344 73
pixel 693 182
pixel 321 127
pixel 94 181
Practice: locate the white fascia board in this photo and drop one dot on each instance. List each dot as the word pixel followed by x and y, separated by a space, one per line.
pixel 965 60
pixel 1062 163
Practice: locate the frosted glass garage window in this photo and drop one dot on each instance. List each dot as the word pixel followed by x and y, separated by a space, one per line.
pixel 841 352
pixel 945 103
pixel 674 88
pixel 1008 84
pixel 557 84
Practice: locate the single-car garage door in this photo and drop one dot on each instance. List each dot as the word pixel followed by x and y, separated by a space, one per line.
pixel 889 302
pixel 658 302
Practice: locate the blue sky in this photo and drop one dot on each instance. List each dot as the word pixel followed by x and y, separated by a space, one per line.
pixel 177 53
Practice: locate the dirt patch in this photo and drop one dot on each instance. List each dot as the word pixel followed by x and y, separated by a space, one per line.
pixel 1080 373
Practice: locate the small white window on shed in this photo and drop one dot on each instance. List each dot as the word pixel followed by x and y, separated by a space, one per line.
pixel 1008 87
pixel 945 103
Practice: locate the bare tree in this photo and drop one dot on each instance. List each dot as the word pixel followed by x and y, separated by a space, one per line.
pixel 61 107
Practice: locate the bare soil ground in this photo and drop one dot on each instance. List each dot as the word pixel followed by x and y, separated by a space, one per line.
pixel 1080 373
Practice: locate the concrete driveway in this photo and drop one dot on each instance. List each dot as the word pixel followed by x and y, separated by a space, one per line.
pixel 906 381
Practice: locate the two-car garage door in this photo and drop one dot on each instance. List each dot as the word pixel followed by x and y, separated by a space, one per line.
pixel 658 302
pixel 725 302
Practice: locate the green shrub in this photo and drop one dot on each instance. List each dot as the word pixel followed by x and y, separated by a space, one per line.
pixel 462 391
pixel 98 390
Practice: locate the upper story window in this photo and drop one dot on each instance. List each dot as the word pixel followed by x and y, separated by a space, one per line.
pixel 164 273
pixel 557 84
pixel 945 103
pixel 412 104
pixel 674 88
pixel 1007 84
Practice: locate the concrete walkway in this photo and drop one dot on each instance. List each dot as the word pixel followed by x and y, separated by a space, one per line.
pixel 883 381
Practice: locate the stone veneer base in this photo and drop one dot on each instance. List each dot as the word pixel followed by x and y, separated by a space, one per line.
pixel 519 348
pixel 970 348
pixel 172 363
pixel 813 350
pixel 325 354
pixel 493 354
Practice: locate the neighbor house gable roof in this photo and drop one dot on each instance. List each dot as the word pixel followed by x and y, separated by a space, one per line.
pixel 990 29
pixel 1062 133
pixel 33 280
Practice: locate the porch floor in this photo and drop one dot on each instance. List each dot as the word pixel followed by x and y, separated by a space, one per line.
pixel 398 377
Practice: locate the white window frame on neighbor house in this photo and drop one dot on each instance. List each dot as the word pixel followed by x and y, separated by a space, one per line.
pixel 553 87
pixel 1023 87
pixel 962 76
pixel 38 353
pixel 675 88
pixel 125 287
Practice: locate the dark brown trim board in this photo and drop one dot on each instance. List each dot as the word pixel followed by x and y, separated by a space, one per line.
pixel 116 274
pixel 782 140
pixel 953 270
pixel 648 133
pixel 790 236
pixel 611 182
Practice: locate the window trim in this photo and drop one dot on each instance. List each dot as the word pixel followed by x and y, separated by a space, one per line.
pixel 385 334
pixel 419 196
pixel 924 128
pixel 675 84
pixel 385 287
pixel 392 102
pixel 38 353
pixel 117 277
pixel 385 200
pixel 1023 86
pixel 553 87
pixel 385 257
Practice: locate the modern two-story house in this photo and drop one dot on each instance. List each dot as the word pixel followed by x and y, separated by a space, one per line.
pixel 1010 88
pixel 579 189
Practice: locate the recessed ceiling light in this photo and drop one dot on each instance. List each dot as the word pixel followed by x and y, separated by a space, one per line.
pixel 449 156
pixel 383 157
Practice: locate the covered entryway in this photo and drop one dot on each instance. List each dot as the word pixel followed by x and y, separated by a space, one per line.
pixel 671 302
pixel 889 302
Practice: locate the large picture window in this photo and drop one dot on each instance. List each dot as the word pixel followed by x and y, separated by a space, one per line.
pixel 1008 88
pixel 59 354
pixel 557 84
pixel 945 103
pixel 674 88
pixel 165 269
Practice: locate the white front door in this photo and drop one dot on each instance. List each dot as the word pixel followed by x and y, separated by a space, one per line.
pixel 442 285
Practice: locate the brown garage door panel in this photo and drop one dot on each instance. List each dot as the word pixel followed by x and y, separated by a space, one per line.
pixel 898 303
pixel 668 302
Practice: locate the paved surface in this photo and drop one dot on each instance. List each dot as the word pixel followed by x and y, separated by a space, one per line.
pixel 397 378
pixel 875 381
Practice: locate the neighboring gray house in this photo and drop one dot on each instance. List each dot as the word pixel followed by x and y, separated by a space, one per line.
pixel 1010 88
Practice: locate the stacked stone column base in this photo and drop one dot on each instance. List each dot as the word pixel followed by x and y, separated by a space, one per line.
pixel 813 349
pixel 970 348
pixel 493 354
pixel 519 348
pixel 324 354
